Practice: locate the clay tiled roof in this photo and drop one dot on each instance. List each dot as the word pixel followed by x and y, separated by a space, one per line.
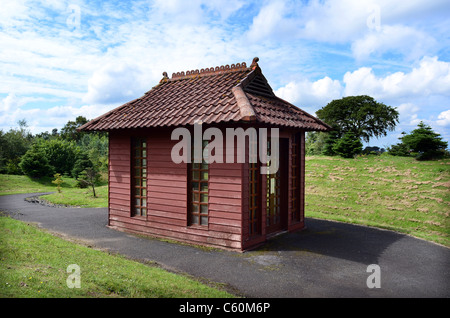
pixel 233 93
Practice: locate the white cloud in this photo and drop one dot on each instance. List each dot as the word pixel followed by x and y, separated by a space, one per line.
pixel 115 83
pixel 9 103
pixel 408 114
pixel 310 94
pixel 372 27
pixel 13 13
pixel 40 120
pixel 334 21
pixel 398 39
pixel 444 119
pixel 430 77
pixel 270 21
pixel 193 11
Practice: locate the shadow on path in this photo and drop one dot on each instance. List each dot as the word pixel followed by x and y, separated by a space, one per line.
pixel 327 259
pixel 335 239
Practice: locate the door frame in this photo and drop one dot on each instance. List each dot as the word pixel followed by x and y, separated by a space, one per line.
pixel 281 189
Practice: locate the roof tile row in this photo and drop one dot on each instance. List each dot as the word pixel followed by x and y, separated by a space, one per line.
pixel 207 96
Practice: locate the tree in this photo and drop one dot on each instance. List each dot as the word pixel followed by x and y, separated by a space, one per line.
pixel 96 146
pixel 374 150
pixel 361 115
pixel 58 181
pixel 82 163
pixel 425 142
pixel 315 142
pixel 34 164
pixel 329 142
pixel 348 146
pixel 89 177
pixel 61 154
pixel 13 145
pixel 69 131
pixel 399 149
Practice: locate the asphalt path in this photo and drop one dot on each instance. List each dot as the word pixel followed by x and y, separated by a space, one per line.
pixel 327 259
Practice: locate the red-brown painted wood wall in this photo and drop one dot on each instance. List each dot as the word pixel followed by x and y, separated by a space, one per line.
pixel 167 193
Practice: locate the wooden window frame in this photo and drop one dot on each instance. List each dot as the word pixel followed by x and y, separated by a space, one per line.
pixel 139 180
pixel 254 204
pixel 273 201
pixel 295 177
pixel 198 192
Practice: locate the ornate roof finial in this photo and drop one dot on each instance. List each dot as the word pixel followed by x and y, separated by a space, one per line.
pixel 254 63
pixel 165 78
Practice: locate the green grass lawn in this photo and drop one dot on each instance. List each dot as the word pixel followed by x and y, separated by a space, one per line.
pixel 396 193
pixel 70 194
pixel 34 264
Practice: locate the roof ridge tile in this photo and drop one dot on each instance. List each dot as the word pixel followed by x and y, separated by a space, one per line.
pixel 210 71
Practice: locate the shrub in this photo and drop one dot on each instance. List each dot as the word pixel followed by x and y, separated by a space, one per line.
pixel 399 150
pixel 422 142
pixel 348 146
pixel 373 151
pixel 34 164
pixel 329 143
pixel 82 163
pixel 58 181
pixel 89 177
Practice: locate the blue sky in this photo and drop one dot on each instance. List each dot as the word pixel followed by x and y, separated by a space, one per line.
pixel 60 59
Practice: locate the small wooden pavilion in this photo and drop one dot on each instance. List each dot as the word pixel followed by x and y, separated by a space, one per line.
pixel 221 204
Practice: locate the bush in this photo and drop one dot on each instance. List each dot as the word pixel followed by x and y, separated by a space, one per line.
pixel 329 143
pixel 34 164
pixel 422 142
pixel 348 146
pixel 314 143
pixel 60 154
pixel 373 151
pixel 13 145
pixel 82 163
pixel 89 177
pixel 399 150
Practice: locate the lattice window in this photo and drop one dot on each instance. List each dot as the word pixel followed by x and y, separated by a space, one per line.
pixel 273 194
pixel 139 177
pixel 254 206
pixel 199 176
pixel 295 178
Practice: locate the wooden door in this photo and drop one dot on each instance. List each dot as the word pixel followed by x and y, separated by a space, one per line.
pixel 276 192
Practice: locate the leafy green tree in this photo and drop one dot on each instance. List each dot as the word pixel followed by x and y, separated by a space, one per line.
pixel 96 146
pixel 61 154
pixel 82 163
pixel 399 149
pixel 69 131
pixel 329 142
pixel 424 141
pixel 315 142
pixel 13 145
pixel 58 181
pixel 361 115
pixel 89 177
pixel 34 164
pixel 348 146
pixel 374 150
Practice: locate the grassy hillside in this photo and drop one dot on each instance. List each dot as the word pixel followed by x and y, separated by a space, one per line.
pixel 396 193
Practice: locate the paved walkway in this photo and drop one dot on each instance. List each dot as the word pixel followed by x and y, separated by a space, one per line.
pixel 328 259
